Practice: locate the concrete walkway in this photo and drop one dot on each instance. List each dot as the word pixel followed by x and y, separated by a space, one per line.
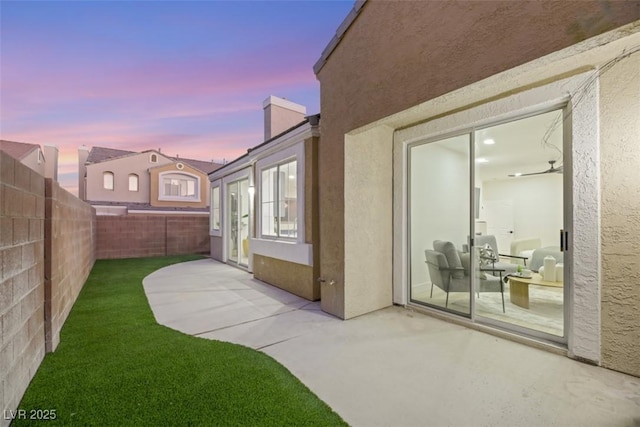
pixel 392 367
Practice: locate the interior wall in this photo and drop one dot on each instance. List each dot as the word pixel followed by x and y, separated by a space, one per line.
pixel 439 201
pixel 537 205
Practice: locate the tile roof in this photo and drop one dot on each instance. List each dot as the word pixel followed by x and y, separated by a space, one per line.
pixel 102 154
pixel 206 167
pixel 17 150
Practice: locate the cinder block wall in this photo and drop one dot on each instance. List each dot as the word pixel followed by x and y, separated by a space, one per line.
pixel 135 236
pixel 70 229
pixel 187 235
pixel 22 344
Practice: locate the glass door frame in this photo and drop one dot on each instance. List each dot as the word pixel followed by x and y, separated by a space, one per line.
pixel 410 301
pixel 236 178
pixel 567 223
pixel 240 200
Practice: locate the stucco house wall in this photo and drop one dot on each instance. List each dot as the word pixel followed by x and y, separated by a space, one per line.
pixel 280 263
pixel 426 50
pixel 35 161
pixel 620 157
pixel 138 164
pixel 299 279
pixel 400 64
pixel 154 177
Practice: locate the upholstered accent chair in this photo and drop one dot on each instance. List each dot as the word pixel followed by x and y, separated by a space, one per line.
pixel 508 267
pixel 449 270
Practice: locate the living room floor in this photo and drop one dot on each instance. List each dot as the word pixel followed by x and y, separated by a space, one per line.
pixel 545 312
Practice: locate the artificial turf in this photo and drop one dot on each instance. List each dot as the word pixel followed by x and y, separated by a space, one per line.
pixel 116 366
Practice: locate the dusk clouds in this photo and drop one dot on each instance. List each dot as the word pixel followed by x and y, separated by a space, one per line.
pixel 187 77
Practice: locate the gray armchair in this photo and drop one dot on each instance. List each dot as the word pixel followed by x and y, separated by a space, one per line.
pixel 450 271
pixel 508 267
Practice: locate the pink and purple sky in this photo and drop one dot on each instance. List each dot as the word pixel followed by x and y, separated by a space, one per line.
pixel 187 77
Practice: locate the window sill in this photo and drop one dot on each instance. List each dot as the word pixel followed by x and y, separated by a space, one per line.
pixel 299 253
pixel 178 199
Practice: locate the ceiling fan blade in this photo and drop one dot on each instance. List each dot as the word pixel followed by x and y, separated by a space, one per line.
pixel 513 175
pixel 552 169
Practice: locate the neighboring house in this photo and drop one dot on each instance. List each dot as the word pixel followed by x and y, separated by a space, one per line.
pixel 31 155
pixel 120 182
pixel 519 120
pixel 264 204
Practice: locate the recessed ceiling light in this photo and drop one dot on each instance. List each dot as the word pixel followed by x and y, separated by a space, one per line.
pixel 517 174
pixel 489 141
pixel 481 160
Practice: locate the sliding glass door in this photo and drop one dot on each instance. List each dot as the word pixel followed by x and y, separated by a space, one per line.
pixel 238 214
pixel 439 224
pixel 485 214
pixel 519 173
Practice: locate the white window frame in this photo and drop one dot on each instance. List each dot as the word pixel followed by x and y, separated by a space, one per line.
pixel 216 185
pixel 105 174
pixel 153 158
pixel 137 178
pixel 287 249
pixel 295 152
pixel 161 196
pixel 278 199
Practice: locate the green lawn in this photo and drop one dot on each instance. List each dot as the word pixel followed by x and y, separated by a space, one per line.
pixel 116 366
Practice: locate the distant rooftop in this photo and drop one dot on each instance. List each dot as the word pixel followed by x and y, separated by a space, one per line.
pixel 17 150
pixel 102 154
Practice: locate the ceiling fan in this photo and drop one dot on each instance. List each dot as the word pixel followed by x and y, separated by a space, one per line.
pixel 552 169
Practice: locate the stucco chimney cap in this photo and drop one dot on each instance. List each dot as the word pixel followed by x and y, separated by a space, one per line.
pixel 284 103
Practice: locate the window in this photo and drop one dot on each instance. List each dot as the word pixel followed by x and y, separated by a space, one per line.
pixel 279 197
pixel 215 208
pixel 133 182
pixel 153 158
pixel 107 180
pixel 179 186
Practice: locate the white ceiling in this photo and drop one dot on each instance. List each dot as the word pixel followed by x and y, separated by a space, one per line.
pixel 520 146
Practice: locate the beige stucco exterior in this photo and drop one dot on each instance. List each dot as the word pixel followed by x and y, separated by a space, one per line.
pixel 620 158
pixel 438 59
pixel 121 168
pixel 280 114
pixel 289 265
pixel 155 175
pixel 426 50
pixel 44 160
pixel 295 278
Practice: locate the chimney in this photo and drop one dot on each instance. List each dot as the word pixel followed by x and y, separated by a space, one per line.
pixel 280 114
pixel 83 155
pixel 51 162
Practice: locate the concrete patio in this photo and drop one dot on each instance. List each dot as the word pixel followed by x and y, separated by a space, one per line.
pixel 392 367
